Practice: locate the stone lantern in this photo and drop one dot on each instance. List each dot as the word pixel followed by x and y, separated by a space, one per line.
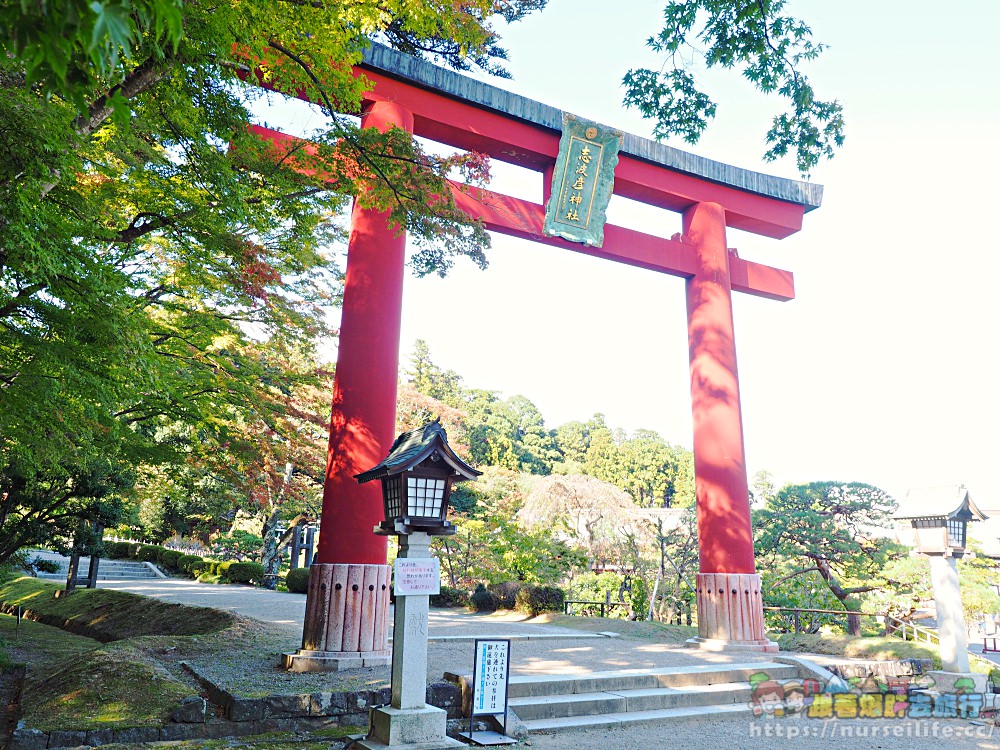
pixel 939 518
pixel 417 477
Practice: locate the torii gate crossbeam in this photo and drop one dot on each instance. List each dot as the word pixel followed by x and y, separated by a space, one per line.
pixel 345 616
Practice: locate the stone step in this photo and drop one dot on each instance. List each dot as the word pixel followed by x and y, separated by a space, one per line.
pixel 107 570
pixel 637 679
pixel 633 718
pixel 630 701
pixel 550 703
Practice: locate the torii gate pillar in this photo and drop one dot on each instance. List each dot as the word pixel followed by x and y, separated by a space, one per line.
pixel 347 604
pixel 730 606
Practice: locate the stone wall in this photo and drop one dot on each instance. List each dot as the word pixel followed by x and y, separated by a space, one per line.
pixel 226 715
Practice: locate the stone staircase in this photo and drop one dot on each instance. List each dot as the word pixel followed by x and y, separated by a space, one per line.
pixel 615 699
pixel 108 570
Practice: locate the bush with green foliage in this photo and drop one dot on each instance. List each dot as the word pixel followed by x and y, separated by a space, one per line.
pixel 184 562
pixel 42 565
pixel 607 586
pixel 198 567
pixel 506 593
pixel 168 558
pixel 450 597
pixel 244 572
pixel 237 546
pixel 538 599
pixel 117 550
pixel 297 580
pixel 483 600
pixel 148 553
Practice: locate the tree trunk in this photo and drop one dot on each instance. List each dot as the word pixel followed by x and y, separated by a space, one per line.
pixel 843 595
pixel 271 556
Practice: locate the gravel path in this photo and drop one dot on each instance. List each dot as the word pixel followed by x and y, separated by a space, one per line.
pixel 550 649
pixel 797 734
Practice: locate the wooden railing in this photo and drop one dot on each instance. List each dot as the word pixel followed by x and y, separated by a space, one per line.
pixel 797 613
pixel 910 632
pixel 604 606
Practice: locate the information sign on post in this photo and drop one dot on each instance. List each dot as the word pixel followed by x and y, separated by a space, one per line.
pixel 420 575
pixel 490 677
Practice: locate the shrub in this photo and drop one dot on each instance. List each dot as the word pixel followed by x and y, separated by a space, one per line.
pixel 244 572
pixel 237 546
pixel 297 580
pixel 506 592
pixel 148 553
pixel 184 562
pixel 45 566
pixel 537 599
pixel 117 550
pixel 450 597
pixel 198 567
pixel 483 600
pixel 168 558
pixel 220 568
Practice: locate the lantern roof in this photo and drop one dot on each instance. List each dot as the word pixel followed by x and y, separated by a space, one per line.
pixel 946 503
pixel 414 447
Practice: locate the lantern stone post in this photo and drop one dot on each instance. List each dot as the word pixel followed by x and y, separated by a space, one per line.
pixel 939 519
pixel 416 477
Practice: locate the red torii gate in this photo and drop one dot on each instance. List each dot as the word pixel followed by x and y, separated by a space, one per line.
pixel 346 622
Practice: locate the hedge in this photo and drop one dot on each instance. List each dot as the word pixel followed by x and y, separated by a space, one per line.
pixel 450 597
pixel 483 600
pixel 148 553
pixel 244 572
pixel 185 562
pixel 168 558
pixel 117 550
pixel 506 592
pixel 198 567
pixel 537 599
pixel 297 580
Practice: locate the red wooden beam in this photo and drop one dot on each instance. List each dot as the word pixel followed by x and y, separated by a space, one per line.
pixel 520 218
pixel 465 126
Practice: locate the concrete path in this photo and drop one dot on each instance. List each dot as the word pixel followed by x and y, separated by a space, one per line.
pixel 552 650
pixel 287 611
pixel 538 648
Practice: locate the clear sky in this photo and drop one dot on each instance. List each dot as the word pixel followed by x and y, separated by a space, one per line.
pixel 884 368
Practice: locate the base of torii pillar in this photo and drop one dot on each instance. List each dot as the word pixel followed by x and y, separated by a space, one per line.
pixel 347 619
pixel 730 613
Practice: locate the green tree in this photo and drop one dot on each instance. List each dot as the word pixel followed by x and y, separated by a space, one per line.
pixel 147 239
pixel 491 544
pixel 430 380
pixel 592 514
pixel 833 529
pixel 676 534
pixel 767 46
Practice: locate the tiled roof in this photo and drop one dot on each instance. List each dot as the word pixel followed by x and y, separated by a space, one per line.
pixel 412 447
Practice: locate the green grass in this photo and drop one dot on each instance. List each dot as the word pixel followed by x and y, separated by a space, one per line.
pixel 320 739
pixel 109 687
pixel 857 647
pixel 37 645
pixel 108 615
pixel 627 628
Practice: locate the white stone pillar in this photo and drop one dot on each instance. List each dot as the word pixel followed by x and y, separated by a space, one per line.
pixel 408 722
pixel 951 622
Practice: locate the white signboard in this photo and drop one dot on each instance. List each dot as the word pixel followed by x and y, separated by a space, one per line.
pixel 491 671
pixel 420 575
